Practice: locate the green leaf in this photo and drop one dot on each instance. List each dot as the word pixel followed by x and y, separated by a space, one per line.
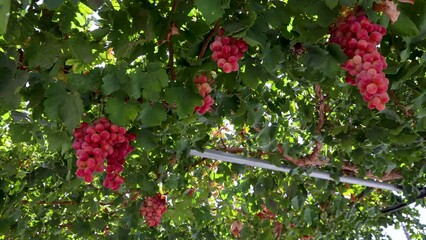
pixel 111 83
pixel 81 227
pixel 253 75
pixel 81 49
pixel 52 4
pixel 156 78
pixel 134 86
pixel 308 216
pixel 4 15
pixel 272 57
pixel 152 115
pixel 331 3
pixel 84 84
pixel 320 59
pixel 267 138
pixel 185 99
pixel 121 112
pixel 212 9
pixel 240 23
pixel 297 202
pixel 146 139
pixel 337 52
pixel 66 15
pixel 10 85
pixel 44 52
pixel 21 132
pixel 349 3
pixel 59 141
pixel 63 105
pixel 5 225
pixel 404 26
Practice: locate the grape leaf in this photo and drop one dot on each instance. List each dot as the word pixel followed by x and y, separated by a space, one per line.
pixel 44 52
pixel 309 216
pixel 134 86
pixel 52 4
pixel 185 99
pixel 121 112
pixel 152 115
pixel 58 141
pixel 63 105
pixel 331 3
pixel 148 83
pixel 21 132
pixel 155 78
pixel 4 13
pixel 111 83
pixel 404 26
pixel 212 9
pixel 253 75
pixel 267 137
pixel 10 86
pixel 81 49
pixel 272 57
pixel 84 84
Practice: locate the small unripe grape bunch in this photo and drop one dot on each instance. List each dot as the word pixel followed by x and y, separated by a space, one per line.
pixel 99 141
pixel 204 88
pixel 153 208
pixel 358 38
pixel 227 51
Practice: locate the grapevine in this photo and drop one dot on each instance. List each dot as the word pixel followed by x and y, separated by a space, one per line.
pixel 99 141
pixel 358 38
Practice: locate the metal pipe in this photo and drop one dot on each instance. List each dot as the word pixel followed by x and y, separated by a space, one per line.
pixel 253 162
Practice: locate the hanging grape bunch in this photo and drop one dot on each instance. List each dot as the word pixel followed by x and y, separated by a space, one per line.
pixel 227 51
pixel 204 89
pixel 153 208
pixel 358 38
pixel 99 141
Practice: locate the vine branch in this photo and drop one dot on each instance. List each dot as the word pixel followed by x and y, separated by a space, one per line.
pixel 207 41
pixel 173 30
pixel 407 111
pixel 313 158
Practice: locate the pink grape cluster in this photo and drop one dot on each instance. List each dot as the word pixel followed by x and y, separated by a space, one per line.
pixel 204 88
pixel 227 51
pixel 153 208
pixel 99 141
pixel 358 38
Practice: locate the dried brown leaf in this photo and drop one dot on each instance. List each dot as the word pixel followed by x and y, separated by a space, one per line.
pixel 391 11
pixel 407 1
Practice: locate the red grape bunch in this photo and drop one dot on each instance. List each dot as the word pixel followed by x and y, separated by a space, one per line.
pixel 358 38
pixel 204 88
pixel 99 141
pixel 153 208
pixel 227 51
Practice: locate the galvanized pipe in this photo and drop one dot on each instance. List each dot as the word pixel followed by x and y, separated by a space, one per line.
pixel 253 162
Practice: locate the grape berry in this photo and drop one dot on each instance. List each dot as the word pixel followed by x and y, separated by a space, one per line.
pixel 227 51
pixel 99 141
pixel 358 38
pixel 153 208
